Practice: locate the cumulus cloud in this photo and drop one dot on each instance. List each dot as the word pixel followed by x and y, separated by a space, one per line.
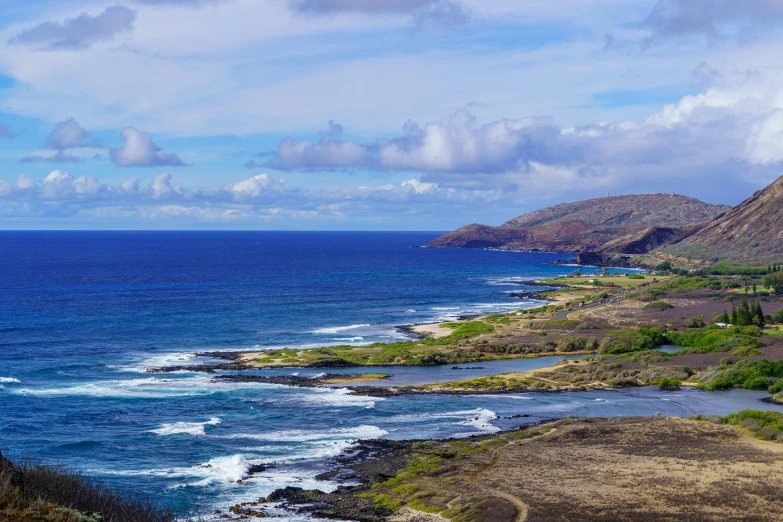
pixel 258 197
pixel 710 18
pixel 330 151
pixel 734 134
pixel 59 157
pixel 79 32
pixel 68 134
pixel 140 151
pixel 456 145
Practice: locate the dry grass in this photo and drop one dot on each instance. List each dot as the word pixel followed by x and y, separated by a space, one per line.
pixel 625 469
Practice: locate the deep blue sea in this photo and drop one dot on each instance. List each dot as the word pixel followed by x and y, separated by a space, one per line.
pixel 83 314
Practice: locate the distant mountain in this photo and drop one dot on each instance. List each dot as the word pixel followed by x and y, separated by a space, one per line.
pixel 621 211
pixel 750 232
pixel 590 225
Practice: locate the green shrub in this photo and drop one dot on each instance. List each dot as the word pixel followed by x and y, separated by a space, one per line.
pixel 695 322
pixel 23 487
pixel 635 276
pixel 669 383
pixel 764 424
pixel 745 374
pixel 632 340
pixel 577 344
pixel 658 305
pixel 711 340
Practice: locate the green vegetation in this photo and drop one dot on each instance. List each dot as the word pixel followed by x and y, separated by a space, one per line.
pixel 734 268
pixel 767 425
pixel 658 305
pixel 625 281
pixel 682 285
pixel 714 339
pixel 464 330
pixel 36 493
pixel 668 383
pixel 748 373
pixel 632 340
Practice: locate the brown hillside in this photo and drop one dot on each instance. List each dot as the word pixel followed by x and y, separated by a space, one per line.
pixel 567 236
pixel 630 224
pixel 751 232
pixel 619 211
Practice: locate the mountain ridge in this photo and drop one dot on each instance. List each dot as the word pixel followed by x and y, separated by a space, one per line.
pixel 751 231
pixel 590 224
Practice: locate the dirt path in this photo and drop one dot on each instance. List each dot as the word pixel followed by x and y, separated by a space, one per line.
pixel 474 478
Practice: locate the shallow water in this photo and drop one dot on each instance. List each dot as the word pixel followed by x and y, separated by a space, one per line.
pixel 83 314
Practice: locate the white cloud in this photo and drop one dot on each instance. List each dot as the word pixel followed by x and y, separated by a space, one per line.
pixel 765 144
pixel 328 152
pixel 67 134
pixel 140 151
pixel 80 31
pixel 712 19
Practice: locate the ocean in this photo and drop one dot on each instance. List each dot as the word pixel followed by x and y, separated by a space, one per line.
pixel 83 314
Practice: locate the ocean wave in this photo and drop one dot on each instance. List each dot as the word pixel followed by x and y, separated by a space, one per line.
pixel 190 428
pixel 149 388
pixel 339 397
pixel 157 361
pixel 350 339
pixel 338 329
pixel 9 380
pixel 355 433
pixel 479 418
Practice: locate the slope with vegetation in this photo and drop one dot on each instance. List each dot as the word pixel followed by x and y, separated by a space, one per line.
pixel 645 221
pixel 750 232
pixel 36 493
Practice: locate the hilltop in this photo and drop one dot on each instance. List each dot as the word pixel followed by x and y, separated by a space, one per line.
pixel 750 232
pixel 590 225
pixel 643 210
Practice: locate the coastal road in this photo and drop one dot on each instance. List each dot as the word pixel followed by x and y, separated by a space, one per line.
pixel 563 314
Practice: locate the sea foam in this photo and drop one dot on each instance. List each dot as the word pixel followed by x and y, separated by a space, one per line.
pixel 338 329
pixel 190 428
pixel 9 380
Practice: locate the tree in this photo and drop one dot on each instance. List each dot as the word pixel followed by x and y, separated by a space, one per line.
pixel 663 267
pixel 734 314
pixel 725 319
pixel 760 319
pixel 606 271
pixel 744 317
pixel 776 282
pixel 754 288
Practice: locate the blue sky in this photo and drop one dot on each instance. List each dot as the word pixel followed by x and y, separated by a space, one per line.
pixel 377 114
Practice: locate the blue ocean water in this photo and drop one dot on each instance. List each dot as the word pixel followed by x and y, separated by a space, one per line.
pixel 82 314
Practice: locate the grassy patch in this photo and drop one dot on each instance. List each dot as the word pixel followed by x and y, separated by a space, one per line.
pixel 468 329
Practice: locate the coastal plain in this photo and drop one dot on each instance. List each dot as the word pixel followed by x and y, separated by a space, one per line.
pixel 632 330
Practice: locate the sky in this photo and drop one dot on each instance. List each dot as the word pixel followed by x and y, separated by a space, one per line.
pixel 378 114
